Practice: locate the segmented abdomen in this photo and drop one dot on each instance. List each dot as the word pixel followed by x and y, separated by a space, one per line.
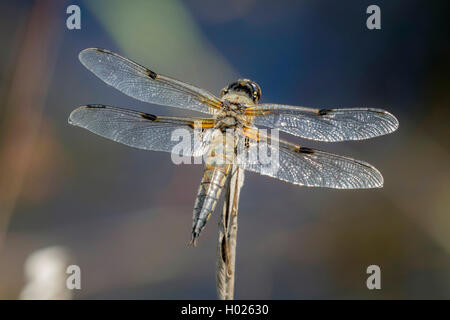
pixel 218 164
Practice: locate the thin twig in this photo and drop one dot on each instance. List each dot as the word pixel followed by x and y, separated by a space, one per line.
pixel 226 250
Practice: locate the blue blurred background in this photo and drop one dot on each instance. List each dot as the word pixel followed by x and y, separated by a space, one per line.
pixel 124 215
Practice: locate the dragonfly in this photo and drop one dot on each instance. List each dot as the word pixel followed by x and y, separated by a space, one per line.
pixel 237 111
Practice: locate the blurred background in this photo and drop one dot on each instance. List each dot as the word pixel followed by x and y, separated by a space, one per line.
pixel 124 215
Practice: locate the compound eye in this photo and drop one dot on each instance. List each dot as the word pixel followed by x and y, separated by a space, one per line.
pixel 255 95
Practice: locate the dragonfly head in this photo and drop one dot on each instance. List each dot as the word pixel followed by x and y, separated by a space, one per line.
pixel 244 87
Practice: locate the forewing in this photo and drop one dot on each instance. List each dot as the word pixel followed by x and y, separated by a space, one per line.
pixel 304 166
pixel 145 85
pixel 144 131
pixel 329 125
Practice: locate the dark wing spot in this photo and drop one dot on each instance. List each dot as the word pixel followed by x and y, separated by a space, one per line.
pixel 151 74
pixel 305 150
pixel 148 116
pixel 95 106
pixel 323 112
pixel 364 165
pixel 103 50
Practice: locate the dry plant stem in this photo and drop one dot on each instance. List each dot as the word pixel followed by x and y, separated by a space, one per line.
pixel 226 251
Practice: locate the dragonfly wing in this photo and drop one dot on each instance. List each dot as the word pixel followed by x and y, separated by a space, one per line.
pixel 304 166
pixel 329 125
pixel 145 85
pixel 145 131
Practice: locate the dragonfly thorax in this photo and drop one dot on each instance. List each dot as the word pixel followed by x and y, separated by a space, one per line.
pixel 227 122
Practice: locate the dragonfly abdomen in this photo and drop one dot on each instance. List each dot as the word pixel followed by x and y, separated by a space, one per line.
pixel 211 186
pixel 218 165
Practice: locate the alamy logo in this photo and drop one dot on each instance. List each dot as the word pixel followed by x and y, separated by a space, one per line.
pixel 374 20
pixel 74 279
pixel 374 280
pixel 74 20
pixel 219 148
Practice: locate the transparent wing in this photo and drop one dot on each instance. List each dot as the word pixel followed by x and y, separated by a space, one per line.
pixel 329 125
pixel 303 166
pixel 145 85
pixel 145 131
